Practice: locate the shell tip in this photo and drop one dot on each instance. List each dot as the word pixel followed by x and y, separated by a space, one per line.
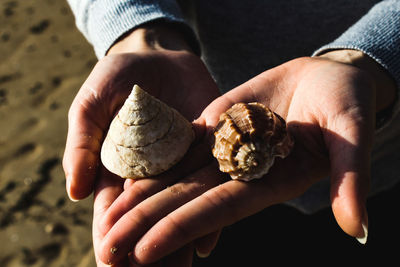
pixel 136 93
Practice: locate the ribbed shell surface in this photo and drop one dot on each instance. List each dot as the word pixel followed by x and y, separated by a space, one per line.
pixel 146 138
pixel 248 137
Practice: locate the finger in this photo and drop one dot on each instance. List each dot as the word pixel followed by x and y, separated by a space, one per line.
pixel 350 175
pixel 132 263
pixel 132 225
pixel 137 191
pixel 100 263
pixel 128 183
pixel 107 189
pixel 193 220
pixel 227 203
pixel 134 194
pixel 81 156
pixel 205 245
pixel 183 257
pixel 123 263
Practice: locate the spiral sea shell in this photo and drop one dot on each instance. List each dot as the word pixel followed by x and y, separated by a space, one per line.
pixel 146 138
pixel 248 137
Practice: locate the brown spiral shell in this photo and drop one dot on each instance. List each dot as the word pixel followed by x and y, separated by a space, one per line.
pixel 248 137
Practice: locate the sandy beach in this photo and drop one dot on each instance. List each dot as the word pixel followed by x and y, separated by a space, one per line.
pixel 43 62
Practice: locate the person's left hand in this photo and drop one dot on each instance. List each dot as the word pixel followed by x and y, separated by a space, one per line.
pixel 115 197
pixel 330 110
pixel 157 57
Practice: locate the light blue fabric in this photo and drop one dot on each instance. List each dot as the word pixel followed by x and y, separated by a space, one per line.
pixel 240 39
pixel 103 21
pixel 377 34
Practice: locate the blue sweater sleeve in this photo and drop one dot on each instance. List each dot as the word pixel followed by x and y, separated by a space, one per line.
pixel 377 34
pixel 102 22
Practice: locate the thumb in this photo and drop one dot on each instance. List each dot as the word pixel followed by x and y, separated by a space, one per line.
pixel 86 123
pixel 350 174
pixel 81 160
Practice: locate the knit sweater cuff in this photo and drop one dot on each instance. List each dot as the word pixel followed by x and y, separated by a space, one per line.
pixel 108 20
pixel 377 34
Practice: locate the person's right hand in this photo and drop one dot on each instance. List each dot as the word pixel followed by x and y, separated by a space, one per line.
pixel 329 108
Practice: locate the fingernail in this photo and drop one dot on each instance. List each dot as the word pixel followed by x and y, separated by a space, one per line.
pixel 68 188
pixel 202 254
pixel 363 239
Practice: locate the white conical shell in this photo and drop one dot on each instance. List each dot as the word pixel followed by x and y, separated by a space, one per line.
pixel 146 138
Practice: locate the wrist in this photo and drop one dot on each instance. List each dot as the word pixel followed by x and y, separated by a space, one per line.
pixel 154 36
pixel 385 87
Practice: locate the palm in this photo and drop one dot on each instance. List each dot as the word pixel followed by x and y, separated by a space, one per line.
pixel 173 77
pixel 329 108
pixel 322 103
pixel 177 78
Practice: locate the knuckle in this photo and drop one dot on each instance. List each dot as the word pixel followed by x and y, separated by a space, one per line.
pixel 178 228
pixel 223 200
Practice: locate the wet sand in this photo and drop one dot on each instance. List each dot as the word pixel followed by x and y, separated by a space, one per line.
pixel 43 62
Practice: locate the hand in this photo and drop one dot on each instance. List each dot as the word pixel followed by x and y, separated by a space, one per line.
pixel 167 69
pixel 178 78
pixel 115 196
pixel 330 110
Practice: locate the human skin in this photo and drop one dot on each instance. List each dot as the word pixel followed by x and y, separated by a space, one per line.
pixel 168 71
pixel 326 124
pixel 158 59
pixel 333 129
